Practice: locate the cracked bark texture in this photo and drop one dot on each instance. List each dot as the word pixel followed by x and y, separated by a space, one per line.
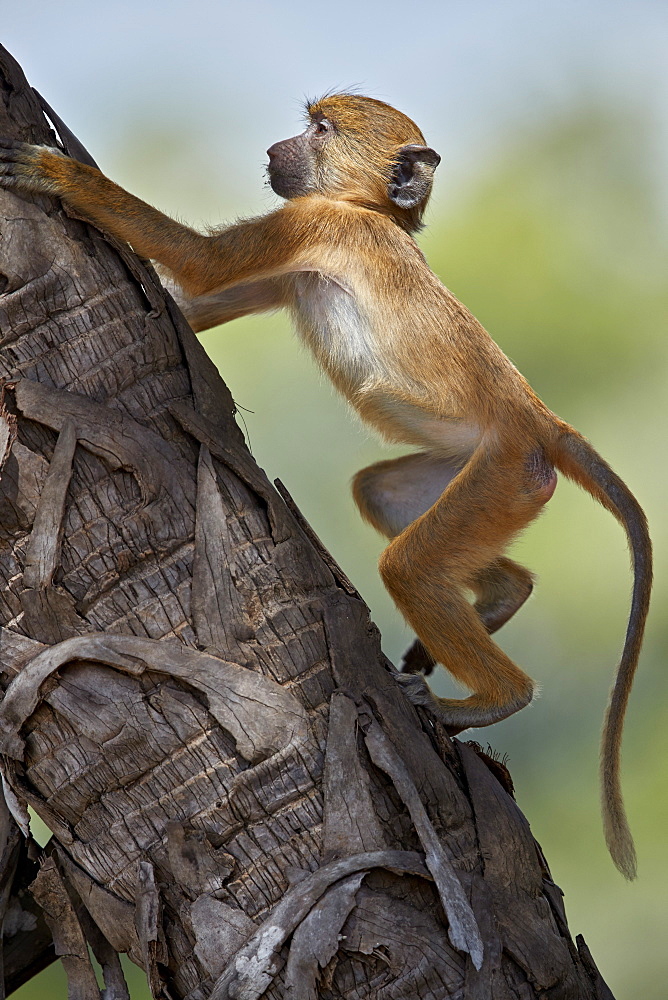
pixel 195 701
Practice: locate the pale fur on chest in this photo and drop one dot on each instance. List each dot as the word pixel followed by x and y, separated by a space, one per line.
pixel 330 322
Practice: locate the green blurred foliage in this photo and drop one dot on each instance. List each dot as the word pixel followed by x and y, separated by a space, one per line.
pixel 557 247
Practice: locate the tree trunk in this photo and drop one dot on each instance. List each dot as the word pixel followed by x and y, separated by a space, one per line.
pixel 195 700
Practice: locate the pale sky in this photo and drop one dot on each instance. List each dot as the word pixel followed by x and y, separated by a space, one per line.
pixel 231 75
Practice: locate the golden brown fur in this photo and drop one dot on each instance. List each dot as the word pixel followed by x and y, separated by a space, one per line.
pixel 416 365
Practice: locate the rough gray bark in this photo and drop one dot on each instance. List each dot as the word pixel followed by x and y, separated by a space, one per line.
pixel 195 700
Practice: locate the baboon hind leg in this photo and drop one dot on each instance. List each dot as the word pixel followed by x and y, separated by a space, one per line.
pixel 502 588
pixel 430 567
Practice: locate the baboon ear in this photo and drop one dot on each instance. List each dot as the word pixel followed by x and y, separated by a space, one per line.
pixel 412 176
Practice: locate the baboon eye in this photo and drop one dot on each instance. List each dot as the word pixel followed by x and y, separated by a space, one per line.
pixel 322 127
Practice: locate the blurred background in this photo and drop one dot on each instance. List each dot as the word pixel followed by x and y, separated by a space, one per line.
pixel 549 221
